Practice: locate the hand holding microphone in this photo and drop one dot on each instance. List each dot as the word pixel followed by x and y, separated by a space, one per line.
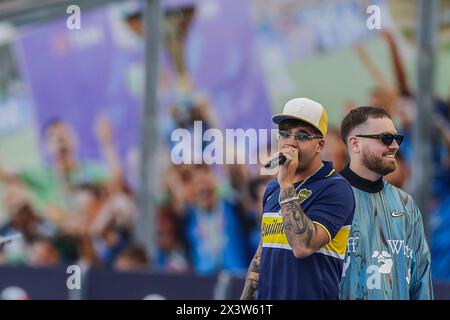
pixel 279 158
pixel 287 159
pixel 276 161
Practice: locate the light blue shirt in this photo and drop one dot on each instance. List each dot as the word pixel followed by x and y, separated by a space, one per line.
pixel 387 254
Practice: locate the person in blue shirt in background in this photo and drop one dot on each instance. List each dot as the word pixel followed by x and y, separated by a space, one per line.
pixel 213 228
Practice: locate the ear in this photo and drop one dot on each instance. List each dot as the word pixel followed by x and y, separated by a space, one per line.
pixel 353 144
pixel 320 145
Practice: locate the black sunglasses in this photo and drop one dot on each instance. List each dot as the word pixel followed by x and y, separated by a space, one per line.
pixel 299 136
pixel 386 138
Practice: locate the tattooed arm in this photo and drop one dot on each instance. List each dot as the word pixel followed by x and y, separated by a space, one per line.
pixel 252 279
pixel 303 235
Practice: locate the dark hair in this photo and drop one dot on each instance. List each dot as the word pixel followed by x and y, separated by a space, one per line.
pixel 50 123
pixel 133 15
pixel 358 116
pixel 137 253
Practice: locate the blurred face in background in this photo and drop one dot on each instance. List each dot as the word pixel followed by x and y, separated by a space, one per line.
pixel 133 258
pixel 60 140
pixel 43 253
pixel 24 219
pixel 205 188
pixel 128 264
pixel 14 194
pixel 186 180
pixel 335 150
pixel 135 23
pixel 166 232
pixel 238 175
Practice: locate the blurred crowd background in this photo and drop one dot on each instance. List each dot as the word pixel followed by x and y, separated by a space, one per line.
pixel 70 116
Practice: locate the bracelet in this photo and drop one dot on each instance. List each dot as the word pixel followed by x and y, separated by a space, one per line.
pixel 288 200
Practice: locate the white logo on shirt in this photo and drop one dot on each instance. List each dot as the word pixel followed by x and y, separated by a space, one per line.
pixel 375 271
pixel 352 244
pixel 396 214
pixel 397 245
pixel 385 260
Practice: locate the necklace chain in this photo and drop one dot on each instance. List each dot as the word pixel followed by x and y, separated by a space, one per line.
pixel 307 178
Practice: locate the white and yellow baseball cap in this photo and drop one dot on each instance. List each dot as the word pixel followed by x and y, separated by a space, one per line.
pixel 306 110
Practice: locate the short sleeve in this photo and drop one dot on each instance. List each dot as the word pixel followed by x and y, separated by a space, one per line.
pixel 334 208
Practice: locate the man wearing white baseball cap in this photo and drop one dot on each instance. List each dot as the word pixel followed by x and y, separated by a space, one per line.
pixel 307 213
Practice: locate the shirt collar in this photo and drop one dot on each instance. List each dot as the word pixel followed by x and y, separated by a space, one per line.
pixel 361 183
pixel 326 170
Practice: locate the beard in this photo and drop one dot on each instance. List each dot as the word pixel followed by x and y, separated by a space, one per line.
pixel 378 163
pixel 304 163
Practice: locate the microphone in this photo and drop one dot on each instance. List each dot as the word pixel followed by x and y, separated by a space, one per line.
pixel 278 160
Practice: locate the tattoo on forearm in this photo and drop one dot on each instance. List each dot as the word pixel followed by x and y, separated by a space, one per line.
pixel 299 229
pixel 252 279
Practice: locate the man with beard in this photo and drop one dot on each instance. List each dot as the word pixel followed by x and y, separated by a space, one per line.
pixel 307 212
pixel 387 254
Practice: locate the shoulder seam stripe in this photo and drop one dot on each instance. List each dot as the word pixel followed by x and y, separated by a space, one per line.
pixel 332 171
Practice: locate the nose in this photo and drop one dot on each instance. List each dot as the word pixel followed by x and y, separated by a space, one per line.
pixel 291 137
pixel 291 142
pixel 393 146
